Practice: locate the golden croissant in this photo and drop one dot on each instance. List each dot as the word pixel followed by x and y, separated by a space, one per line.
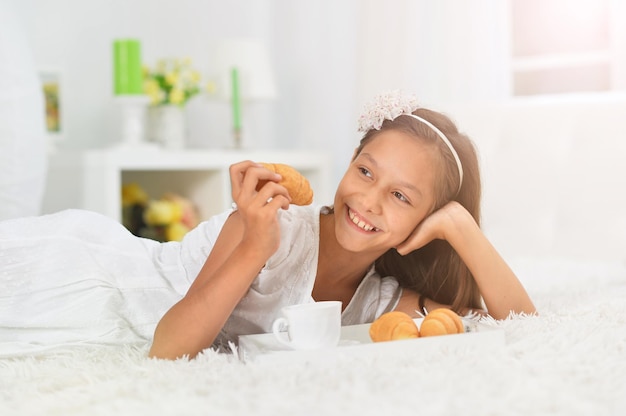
pixel 397 325
pixel 297 185
pixel 441 321
pixel 392 326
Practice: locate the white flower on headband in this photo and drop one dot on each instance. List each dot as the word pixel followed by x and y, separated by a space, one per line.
pixel 386 106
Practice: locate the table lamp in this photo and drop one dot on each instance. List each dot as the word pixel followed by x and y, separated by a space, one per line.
pixel 128 90
pixel 244 74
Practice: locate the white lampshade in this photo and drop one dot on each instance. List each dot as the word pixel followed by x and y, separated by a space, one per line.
pixel 251 58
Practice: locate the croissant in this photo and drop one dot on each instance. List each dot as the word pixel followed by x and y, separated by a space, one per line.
pixel 392 326
pixel 297 185
pixel 396 325
pixel 441 321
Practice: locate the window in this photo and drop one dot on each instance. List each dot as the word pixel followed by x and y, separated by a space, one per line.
pixel 562 46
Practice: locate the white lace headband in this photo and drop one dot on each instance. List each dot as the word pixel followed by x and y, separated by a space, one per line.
pixel 392 104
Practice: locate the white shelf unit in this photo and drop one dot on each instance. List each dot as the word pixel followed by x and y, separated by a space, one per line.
pixel 93 179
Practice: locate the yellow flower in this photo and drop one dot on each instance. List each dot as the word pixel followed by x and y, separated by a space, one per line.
pixel 172 81
pixel 177 96
pixel 161 212
pixel 153 90
pixel 171 78
pixel 133 194
pixel 151 86
pixel 175 231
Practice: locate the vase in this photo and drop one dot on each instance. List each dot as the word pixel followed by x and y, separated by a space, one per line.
pixel 168 126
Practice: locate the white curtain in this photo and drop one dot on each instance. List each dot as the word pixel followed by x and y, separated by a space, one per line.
pixel 445 50
pixel 332 57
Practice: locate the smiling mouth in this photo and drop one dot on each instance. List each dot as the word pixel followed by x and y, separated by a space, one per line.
pixel 359 222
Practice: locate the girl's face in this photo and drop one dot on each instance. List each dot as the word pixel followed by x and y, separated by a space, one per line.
pixel 386 192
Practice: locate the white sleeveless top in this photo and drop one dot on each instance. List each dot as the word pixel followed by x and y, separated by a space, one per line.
pixel 288 276
pixel 77 277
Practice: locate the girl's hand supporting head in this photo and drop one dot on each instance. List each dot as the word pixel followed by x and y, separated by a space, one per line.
pixel 434 227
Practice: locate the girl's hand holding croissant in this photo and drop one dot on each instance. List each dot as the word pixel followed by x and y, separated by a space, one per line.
pixel 258 209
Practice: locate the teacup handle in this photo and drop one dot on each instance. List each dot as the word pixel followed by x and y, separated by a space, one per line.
pixel 276 326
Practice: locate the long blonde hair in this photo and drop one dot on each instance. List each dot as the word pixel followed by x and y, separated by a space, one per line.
pixel 436 270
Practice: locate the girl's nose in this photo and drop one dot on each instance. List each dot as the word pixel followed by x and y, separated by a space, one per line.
pixel 372 201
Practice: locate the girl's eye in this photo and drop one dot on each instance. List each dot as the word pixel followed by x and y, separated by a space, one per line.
pixel 400 196
pixel 365 172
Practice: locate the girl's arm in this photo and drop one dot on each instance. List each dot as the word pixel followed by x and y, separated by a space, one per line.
pixel 249 237
pixel 501 290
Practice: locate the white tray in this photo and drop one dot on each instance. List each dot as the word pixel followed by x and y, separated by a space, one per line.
pixel 355 339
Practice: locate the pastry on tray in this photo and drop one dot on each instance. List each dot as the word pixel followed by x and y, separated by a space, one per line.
pixel 397 325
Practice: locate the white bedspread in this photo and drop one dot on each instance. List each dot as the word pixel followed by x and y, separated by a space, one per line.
pixel 69 278
pixel 570 360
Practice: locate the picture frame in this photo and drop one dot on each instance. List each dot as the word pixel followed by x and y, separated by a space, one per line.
pixel 52 89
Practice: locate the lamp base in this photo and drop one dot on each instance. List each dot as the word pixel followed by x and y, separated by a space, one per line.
pixel 133 118
pixel 237 139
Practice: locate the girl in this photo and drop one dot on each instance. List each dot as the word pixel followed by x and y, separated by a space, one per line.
pixel 403 234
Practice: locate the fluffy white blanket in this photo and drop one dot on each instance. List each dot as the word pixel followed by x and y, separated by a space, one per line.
pixel 569 360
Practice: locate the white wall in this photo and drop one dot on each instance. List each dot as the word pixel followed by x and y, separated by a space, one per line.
pixel 329 56
pixel 553 178
pixel 76 38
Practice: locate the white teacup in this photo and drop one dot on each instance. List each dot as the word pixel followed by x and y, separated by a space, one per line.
pixel 310 325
